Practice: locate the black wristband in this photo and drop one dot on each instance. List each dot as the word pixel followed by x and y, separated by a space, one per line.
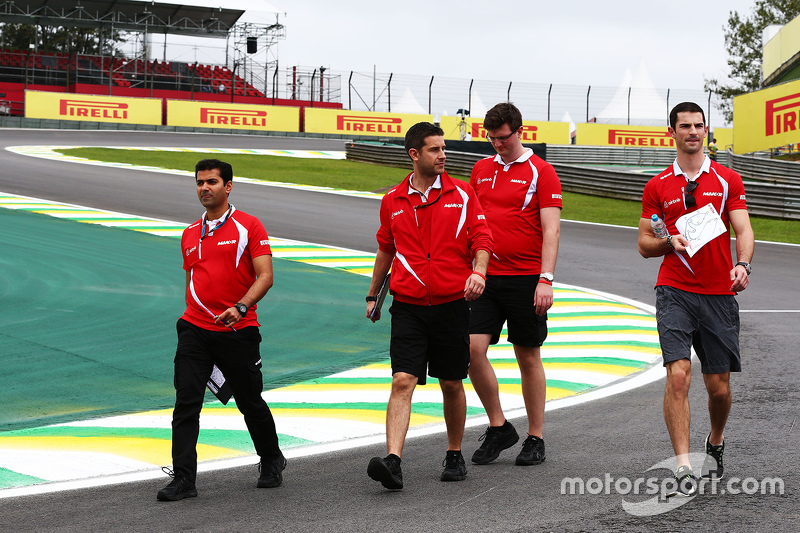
pixel 372 298
pixel 669 241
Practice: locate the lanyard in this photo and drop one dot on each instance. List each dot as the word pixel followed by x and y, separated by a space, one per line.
pixel 224 220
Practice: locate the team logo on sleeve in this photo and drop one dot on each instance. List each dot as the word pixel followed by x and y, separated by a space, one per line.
pixel 265 242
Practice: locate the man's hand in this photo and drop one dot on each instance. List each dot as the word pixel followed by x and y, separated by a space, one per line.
pixel 543 298
pixel 370 307
pixel 229 317
pixel 474 287
pixel 739 279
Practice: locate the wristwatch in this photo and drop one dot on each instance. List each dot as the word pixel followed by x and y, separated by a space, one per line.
pixel 241 308
pixel 747 267
pixel 372 298
pixel 547 276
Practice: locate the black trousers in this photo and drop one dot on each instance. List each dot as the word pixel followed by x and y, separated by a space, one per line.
pixel 236 354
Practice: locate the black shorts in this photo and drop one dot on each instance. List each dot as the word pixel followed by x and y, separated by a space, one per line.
pixel 509 299
pixel 708 322
pixel 430 337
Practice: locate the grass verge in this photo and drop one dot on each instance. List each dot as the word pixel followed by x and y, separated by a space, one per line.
pixel 368 177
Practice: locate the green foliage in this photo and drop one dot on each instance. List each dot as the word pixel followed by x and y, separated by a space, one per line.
pixel 743 43
pixel 59 39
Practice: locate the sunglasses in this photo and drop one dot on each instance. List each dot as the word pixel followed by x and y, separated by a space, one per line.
pixel 690 199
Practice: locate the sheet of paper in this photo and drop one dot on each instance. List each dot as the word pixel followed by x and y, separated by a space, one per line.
pixel 700 227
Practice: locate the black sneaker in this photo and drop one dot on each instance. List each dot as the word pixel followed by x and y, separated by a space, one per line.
pixel 532 452
pixel 495 440
pixel 387 471
pixel 178 489
pixel 712 466
pixel 685 483
pixel 271 475
pixel 454 467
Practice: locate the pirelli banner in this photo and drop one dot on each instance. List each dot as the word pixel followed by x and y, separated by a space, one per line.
pixel 627 136
pixel 532 131
pixel 344 122
pixel 92 108
pixel 767 119
pixel 232 116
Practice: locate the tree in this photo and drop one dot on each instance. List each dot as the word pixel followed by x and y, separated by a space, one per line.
pixel 743 42
pixel 59 39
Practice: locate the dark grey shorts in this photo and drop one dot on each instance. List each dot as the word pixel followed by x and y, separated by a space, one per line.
pixel 707 322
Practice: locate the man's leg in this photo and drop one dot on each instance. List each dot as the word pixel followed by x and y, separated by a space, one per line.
pixel 719 404
pixel 676 407
pixel 455 411
pixel 398 411
pixel 483 378
pixel 534 386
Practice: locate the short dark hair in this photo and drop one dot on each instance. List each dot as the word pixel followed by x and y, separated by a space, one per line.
pixel 225 169
pixel 416 135
pixel 503 113
pixel 684 107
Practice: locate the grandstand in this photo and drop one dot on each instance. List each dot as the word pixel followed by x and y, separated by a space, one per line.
pixel 142 76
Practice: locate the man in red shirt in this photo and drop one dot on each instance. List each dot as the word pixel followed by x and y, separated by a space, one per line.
pixel 695 303
pixel 521 195
pixel 228 263
pixel 432 230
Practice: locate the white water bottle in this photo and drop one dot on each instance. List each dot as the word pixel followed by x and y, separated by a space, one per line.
pixel 659 228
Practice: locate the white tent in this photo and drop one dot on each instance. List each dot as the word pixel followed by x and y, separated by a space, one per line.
pixel 636 101
pixel 572 126
pixel 478 110
pixel 408 104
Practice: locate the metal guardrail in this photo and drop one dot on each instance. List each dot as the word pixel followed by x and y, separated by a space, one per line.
pixel 775 171
pixel 765 199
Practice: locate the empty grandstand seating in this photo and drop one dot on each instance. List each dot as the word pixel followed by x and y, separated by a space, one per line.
pixel 55 69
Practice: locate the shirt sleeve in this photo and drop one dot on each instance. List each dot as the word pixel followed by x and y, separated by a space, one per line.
pixel 480 236
pixel 650 203
pixel 384 235
pixel 736 196
pixel 549 188
pixel 259 241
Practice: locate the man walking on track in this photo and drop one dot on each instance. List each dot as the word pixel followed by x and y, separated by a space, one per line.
pixel 521 195
pixel 435 238
pixel 699 200
pixel 228 263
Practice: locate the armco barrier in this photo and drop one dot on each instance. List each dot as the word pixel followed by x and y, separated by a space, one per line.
pixel 775 171
pixel 766 199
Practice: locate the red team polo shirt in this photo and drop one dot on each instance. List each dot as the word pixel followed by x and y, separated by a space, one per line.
pixel 221 267
pixel 432 243
pixel 511 196
pixel 708 272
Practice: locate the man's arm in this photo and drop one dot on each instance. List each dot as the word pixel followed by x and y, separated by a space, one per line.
pixel 263 269
pixel 652 246
pixel 383 262
pixel 551 231
pixel 476 282
pixel 745 244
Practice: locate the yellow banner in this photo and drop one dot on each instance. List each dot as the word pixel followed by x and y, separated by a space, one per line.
pixel 724 137
pixel 532 131
pixel 344 122
pixel 232 116
pixel 767 119
pixel 589 134
pixel 92 108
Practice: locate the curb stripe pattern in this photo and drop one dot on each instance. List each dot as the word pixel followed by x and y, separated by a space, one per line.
pixel 593 342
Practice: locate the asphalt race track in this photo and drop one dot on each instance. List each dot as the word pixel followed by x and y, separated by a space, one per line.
pixel 602 442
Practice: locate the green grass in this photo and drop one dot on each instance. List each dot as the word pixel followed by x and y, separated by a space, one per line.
pixel 369 177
